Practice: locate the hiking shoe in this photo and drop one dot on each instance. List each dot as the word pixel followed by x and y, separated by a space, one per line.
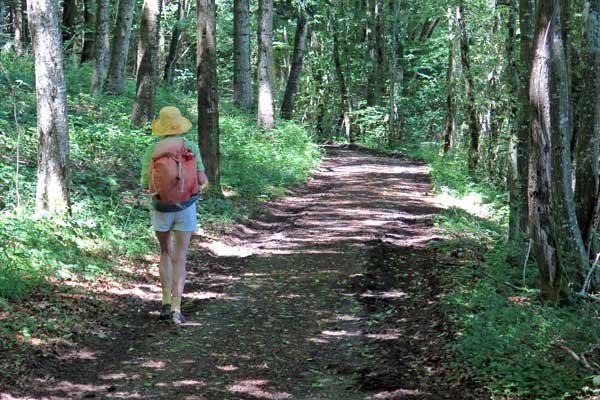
pixel 178 318
pixel 165 312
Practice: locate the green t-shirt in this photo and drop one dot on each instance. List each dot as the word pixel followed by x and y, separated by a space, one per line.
pixel 147 159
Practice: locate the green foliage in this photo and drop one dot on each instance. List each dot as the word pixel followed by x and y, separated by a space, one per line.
pixel 263 164
pixel 109 223
pixel 506 339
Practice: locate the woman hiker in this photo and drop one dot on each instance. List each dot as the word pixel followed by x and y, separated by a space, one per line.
pixel 172 170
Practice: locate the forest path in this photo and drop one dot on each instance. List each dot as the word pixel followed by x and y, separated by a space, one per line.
pixel 332 293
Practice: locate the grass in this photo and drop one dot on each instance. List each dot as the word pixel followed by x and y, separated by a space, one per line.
pixel 59 262
pixel 109 220
pixel 506 337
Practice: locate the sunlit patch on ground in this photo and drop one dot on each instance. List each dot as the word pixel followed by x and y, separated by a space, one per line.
pixel 398 394
pixel 472 203
pixel 285 297
pixel 254 388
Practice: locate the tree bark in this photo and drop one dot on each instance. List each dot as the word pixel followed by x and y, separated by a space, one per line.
pixel 17 26
pixel 519 144
pixel 266 114
pixel 557 241
pixel 396 74
pixel 242 72
pixel 346 105
pixel 208 98
pixel 115 80
pixel 291 89
pixel 87 53
pixel 472 121
pixel 174 44
pixel 143 107
pixel 52 192
pixel 101 46
pixel 2 16
pixel 587 151
pixel 450 126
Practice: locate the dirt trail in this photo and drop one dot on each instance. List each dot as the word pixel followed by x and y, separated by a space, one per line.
pixel 331 294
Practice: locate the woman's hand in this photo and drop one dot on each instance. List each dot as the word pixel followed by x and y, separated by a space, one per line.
pixel 202 179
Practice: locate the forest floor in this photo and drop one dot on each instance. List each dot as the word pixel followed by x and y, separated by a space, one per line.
pixel 333 292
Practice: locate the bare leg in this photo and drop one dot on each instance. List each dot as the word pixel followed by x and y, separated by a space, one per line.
pixel 166 265
pixel 182 241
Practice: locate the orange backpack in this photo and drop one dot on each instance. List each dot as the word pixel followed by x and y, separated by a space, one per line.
pixel 172 175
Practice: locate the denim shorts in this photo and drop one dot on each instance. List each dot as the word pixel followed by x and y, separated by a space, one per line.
pixel 184 220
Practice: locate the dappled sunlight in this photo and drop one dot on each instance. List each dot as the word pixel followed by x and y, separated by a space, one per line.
pixel 389 294
pixel 283 299
pixel 339 334
pixel 398 394
pixel 473 203
pixel 182 383
pixel 360 200
pixel 80 355
pixel 254 388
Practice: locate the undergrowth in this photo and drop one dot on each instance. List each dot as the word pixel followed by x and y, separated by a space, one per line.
pixel 109 221
pixel 507 339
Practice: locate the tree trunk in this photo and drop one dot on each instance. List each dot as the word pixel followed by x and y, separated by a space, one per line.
pixel 557 241
pixel 450 127
pixel 266 115
pixel 472 121
pixel 70 18
pixel 208 98
pixel 101 46
pixel 115 80
pixel 17 26
pixel 87 53
pixel 396 74
pixel 143 107
pixel 519 144
pixel 376 59
pixel 587 151
pixel 242 72
pixel 174 44
pixel 2 16
pixel 52 193
pixel 287 105
pixel 346 106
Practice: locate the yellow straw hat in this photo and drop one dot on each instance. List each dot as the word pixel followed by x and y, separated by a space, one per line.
pixel 170 122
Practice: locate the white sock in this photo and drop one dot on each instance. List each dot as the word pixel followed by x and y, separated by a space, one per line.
pixel 166 296
pixel 176 304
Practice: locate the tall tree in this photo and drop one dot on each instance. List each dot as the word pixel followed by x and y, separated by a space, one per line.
pixel 396 72
pixel 242 72
pixel 2 16
pixel 89 18
pixel 472 120
pixel 101 46
pixel 143 107
pixel 266 114
pixel 519 143
pixel 178 30
pixel 559 249
pixel 376 54
pixel 450 127
pixel 587 151
pixel 17 26
pixel 289 98
pixel 52 192
pixel 346 103
pixel 115 79
pixel 208 97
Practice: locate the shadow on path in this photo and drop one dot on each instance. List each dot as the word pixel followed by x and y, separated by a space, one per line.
pixel 330 294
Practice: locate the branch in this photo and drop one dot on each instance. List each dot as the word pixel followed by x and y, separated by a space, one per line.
pixel 580 358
